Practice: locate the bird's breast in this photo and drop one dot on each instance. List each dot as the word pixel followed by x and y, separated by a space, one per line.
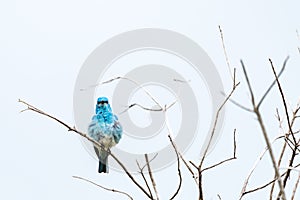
pixel 108 141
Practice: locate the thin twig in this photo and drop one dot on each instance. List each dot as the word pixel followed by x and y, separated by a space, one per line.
pixel 144 178
pixel 148 109
pixel 145 165
pixel 105 188
pixel 261 155
pixel 291 168
pixel 193 164
pixel 128 79
pixel 273 83
pixel 225 53
pixel 181 81
pixel 238 104
pixel 283 101
pixel 188 167
pixel 279 162
pixel 295 188
pixel 265 185
pixel 292 159
pixel 248 83
pixel 228 159
pixel 143 175
pixel 286 143
pixel 281 154
pixel 139 105
pixel 260 187
pixel 177 154
pixel 178 168
pixel 151 176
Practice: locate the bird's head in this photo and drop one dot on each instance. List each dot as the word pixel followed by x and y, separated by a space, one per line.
pixel 102 105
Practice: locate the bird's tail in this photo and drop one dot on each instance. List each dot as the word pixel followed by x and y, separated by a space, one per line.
pixel 103 165
pixel 103 160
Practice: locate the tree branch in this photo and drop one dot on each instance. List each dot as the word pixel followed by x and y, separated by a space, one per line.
pixel 283 101
pixel 228 159
pixel 178 168
pixel 151 176
pixel 105 188
pixel 265 185
pixel 145 180
pixel 34 109
pixel 273 83
pixel 295 188
pixel 263 129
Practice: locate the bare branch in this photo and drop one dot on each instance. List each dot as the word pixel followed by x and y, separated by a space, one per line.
pixel 181 81
pixel 199 168
pixel 248 83
pixel 148 109
pixel 225 54
pixel 151 176
pixel 105 188
pixel 283 101
pixel 259 188
pixel 216 121
pixel 279 162
pixel 295 188
pixel 255 165
pixel 34 109
pixel 239 105
pixel 145 165
pixel 193 164
pixel 143 175
pixel 228 159
pixel 291 168
pixel 128 79
pixel 295 143
pixel 259 118
pixel 286 141
pixel 170 136
pixel 177 153
pixel 138 105
pixel 265 185
pixel 144 178
pixel 273 83
pixel 178 168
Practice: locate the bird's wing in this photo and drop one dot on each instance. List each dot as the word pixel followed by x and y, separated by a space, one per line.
pixel 117 130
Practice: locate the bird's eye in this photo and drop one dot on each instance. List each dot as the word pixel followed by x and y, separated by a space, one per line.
pixel 102 102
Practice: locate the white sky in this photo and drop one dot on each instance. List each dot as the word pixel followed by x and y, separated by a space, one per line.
pixel 44 43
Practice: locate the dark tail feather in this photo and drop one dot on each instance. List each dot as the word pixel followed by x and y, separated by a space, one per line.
pixel 103 165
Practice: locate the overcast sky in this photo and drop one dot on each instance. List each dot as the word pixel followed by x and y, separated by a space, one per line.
pixel 44 45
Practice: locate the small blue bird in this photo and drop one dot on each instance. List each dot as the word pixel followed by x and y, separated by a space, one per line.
pixel 105 129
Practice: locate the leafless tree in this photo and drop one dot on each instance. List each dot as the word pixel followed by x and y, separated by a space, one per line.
pixel 290 140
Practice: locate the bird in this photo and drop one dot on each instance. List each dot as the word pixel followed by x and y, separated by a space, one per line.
pixel 106 129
